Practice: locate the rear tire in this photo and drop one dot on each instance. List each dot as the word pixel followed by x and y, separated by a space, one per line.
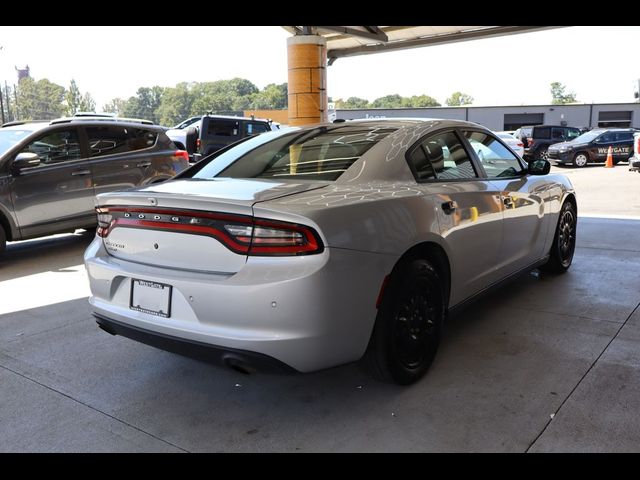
pixel 564 241
pixel 408 326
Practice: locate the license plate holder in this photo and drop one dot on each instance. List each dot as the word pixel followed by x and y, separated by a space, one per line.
pixel 150 297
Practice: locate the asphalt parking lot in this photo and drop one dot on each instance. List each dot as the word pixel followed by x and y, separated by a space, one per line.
pixel 546 364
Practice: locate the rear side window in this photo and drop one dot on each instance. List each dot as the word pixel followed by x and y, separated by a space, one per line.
pixel 223 128
pixel 442 157
pixel 624 136
pixel 111 140
pixel 557 133
pixel 252 128
pixel 318 154
pixel 543 133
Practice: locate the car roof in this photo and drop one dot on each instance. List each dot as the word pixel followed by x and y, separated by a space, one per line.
pixel 34 126
pixel 232 117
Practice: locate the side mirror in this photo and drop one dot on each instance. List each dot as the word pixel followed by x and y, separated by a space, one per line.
pixel 539 167
pixel 26 160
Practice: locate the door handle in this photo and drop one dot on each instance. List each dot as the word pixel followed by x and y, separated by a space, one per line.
pixel 143 164
pixel 79 173
pixel 508 202
pixel 449 207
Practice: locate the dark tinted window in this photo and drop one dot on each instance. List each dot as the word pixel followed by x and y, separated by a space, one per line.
pixel 557 133
pixel 542 132
pixel 496 159
pixel 110 140
pixel 318 154
pixel 251 128
pixel 605 138
pixel 444 157
pixel 55 147
pixel 223 128
pixel 624 136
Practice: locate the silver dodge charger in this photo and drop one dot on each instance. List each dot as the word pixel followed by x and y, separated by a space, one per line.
pixel 306 248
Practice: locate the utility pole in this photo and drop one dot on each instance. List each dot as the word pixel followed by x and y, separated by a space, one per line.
pixel 2 107
pixel 6 93
pixel 15 95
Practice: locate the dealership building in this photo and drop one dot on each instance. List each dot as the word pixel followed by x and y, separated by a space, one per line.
pixel 512 117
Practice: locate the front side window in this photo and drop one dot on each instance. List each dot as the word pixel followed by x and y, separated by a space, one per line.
pixel 442 157
pixel 605 138
pixel 56 147
pixel 572 133
pixel 496 159
pixel 557 133
pixel 318 154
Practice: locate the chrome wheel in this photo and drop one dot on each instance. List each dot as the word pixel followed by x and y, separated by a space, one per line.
pixel 580 160
pixel 543 154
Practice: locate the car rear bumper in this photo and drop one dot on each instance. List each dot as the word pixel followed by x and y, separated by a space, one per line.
pixel 308 312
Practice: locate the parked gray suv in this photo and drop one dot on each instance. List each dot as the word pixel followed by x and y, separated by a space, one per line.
pixel 50 171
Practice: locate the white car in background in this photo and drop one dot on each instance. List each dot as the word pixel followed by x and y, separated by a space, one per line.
pixel 513 143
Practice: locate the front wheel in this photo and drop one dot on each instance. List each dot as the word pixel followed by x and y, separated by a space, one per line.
pixel 580 159
pixel 564 241
pixel 407 331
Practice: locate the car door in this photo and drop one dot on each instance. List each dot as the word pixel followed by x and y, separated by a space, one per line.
pixel 467 207
pixel 113 159
pixel 57 193
pixel 622 146
pixel 522 202
pixel 600 146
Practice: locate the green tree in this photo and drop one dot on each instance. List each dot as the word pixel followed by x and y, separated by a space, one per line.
pixel 145 103
pixel 458 98
pixel 87 103
pixel 558 95
pixel 388 101
pixel 41 100
pixel 115 105
pixel 176 104
pixel 352 103
pixel 418 101
pixel 272 96
pixel 72 98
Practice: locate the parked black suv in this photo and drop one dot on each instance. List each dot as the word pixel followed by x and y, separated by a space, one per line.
pixel 50 171
pixel 537 138
pixel 212 132
pixel 593 146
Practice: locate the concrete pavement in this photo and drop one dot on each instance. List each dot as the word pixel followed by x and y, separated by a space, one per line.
pixel 548 363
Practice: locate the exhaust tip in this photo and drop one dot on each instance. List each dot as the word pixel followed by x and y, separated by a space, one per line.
pixel 238 364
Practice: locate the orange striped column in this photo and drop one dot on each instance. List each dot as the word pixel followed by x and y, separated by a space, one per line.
pixel 307 63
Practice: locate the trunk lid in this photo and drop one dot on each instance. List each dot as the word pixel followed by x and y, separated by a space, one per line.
pixel 180 223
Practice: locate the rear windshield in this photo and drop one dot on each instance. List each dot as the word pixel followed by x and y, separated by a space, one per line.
pixel 319 154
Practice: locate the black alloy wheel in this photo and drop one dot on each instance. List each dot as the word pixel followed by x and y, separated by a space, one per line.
pixel 564 241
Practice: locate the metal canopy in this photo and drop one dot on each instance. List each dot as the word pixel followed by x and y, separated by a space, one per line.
pixel 363 40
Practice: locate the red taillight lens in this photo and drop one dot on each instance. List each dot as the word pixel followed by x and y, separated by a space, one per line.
pixel 520 144
pixel 530 141
pixel 198 144
pixel 104 222
pixel 240 234
pixel 638 145
pixel 181 154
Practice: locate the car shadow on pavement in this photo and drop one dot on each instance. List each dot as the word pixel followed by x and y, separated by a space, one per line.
pixel 54 253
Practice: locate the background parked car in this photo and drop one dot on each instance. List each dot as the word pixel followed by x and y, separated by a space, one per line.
pixel 50 171
pixel 593 147
pixel 203 135
pixel 513 143
pixel 537 141
pixel 634 161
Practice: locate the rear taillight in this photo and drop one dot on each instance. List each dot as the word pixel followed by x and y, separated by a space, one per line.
pixel 181 155
pixel 530 141
pixel 104 222
pixel 198 144
pixel 638 145
pixel 240 234
pixel 520 144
